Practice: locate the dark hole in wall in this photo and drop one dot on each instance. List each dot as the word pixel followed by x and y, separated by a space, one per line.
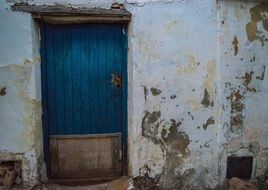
pixel 10 173
pixel 240 167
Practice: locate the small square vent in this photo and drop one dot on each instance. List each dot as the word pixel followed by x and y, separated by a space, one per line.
pixel 240 167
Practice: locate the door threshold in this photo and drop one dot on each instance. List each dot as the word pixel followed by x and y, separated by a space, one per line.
pixel 82 181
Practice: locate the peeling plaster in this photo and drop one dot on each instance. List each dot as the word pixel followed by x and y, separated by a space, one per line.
pixel 235 44
pixel 209 121
pixel 258 14
pixel 3 91
pixel 243 84
pixel 155 91
pixel 20 128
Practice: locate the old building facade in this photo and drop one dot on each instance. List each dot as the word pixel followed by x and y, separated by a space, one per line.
pixel 197 88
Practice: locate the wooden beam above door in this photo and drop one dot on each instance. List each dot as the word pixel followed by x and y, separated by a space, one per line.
pixel 59 14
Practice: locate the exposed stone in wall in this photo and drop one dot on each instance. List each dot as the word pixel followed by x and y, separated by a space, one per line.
pixel 143 181
pixel 173 143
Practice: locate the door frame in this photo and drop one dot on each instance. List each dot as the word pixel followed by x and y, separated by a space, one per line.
pixel 45 127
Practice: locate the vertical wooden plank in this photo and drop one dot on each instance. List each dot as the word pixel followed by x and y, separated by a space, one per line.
pixel 110 88
pixel 76 84
pixel 102 82
pixel 124 140
pixel 118 68
pixel 116 147
pixel 51 80
pixel 59 80
pixel 67 77
pixel 54 161
pixel 85 80
pixel 93 79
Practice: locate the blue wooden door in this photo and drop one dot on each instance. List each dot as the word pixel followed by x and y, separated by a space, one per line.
pixel 84 88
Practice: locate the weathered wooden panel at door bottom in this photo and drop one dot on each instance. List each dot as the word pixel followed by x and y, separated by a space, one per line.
pixel 85 156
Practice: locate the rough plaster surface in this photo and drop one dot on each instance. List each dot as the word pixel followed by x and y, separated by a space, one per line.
pixel 197 88
pixel 243 82
pixel 20 113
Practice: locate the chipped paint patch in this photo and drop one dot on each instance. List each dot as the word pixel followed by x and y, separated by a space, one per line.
pixel 206 102
pixel 258 14
pixel 155 91
pixel 210 121
pixel 191 65
pixel 177 150
pixel 3 91
pixel 247 80
pixel 235 44
pixel 173 96
pixel 195 104
pixel 177 140
pixel 173 143
pixel 261 77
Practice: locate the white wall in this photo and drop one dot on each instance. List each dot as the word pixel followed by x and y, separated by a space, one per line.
pixel 182 69
pixel 20 122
